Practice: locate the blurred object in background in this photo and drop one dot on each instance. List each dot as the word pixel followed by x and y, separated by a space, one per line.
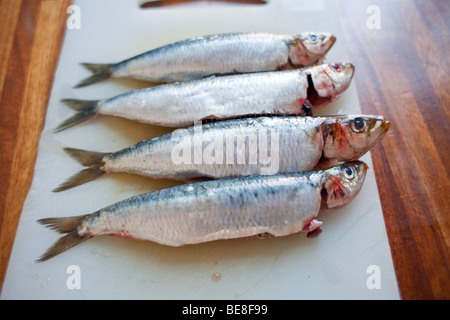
pixel 163 3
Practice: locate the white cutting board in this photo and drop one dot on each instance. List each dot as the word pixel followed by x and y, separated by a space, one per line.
pixel 336 265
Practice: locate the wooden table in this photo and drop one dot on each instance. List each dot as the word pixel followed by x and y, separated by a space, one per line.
pixel 402 72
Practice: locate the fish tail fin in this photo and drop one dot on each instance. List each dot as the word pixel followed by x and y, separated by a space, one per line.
pixel 101 72
pixel 96 67
pixel 91 159
pixel 86 109
pixel 66 225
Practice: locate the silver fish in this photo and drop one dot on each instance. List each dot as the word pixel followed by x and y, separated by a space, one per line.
pixel 279 205
pixel 238 147
pixel 200 57
pixel 287 92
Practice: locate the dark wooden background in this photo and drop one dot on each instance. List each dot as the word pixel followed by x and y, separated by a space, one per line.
pixel 402 72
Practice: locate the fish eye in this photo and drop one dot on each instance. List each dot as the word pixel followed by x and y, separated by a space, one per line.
pixel 336 67
pixel 349 172
pixel 313 37
pixel 358 125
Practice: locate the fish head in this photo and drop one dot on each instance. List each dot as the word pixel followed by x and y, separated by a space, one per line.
pixel 342 183
pixel 349 137
pixel 309 47
pixel 326 82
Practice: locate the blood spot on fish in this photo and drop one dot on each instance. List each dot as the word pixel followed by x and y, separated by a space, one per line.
pixel 314 233
pixel 210 117
pixel 307 225
pixel 216 276
pixel 124 235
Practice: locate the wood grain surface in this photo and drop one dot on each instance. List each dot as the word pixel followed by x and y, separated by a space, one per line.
pixel 31 33
pixel 402 72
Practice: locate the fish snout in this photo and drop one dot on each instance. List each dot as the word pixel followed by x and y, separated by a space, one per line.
pixel 360 167
pixel 370 133
pixel 324 41
pixel 327 42
pixel 379 128
pixel 348 69
pixel 386 125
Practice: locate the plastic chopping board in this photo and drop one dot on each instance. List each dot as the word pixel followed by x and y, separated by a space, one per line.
pixel 350 259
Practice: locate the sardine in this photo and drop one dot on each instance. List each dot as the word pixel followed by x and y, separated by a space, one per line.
pixel 220 54
pixel 229 208
pixel 238 147
pixel 288 92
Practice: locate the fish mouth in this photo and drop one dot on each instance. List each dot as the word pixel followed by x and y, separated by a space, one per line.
pixel 329 43
pixel 378 128
pixel 347 71
pixel 360 166
pixel 350 69
pixel 382 126
pixel 379 133
pixel 386 125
